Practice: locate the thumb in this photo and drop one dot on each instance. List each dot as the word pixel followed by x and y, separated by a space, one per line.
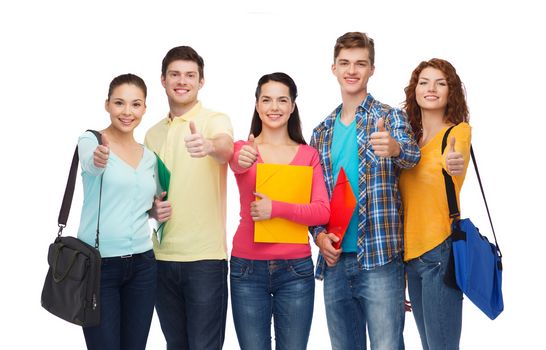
pixel 251 141
pixel 380 124
pixel 192 128
pixel 104 140
pixel 162 195
pixel 452 144
pixel 333 237
pixel 259 195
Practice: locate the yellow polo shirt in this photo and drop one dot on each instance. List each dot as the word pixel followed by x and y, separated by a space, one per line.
pixel 426 212
pixel 197 190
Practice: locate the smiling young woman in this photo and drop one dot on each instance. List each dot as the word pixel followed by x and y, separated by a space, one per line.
pixel 122 174
pixel 274 277
pixel 434 102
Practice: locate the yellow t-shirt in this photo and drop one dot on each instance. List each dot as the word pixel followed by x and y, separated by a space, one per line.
pixel 197 190
pixel 426 212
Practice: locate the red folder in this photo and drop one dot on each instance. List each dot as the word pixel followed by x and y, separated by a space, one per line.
pixel 342 206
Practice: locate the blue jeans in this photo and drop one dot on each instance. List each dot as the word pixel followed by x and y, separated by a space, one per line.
pixel 192 303
pixel 282 289
pixel 128 289
pixel 437 308
pixel 357 299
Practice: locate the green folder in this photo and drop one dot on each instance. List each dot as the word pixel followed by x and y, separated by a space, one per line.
pixel 164 175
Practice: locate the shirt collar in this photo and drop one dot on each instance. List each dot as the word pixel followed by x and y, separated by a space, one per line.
pixel 189 115
pixel 366 105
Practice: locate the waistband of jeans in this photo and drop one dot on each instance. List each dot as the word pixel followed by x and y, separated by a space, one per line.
pixel 275 260
pixel 126 256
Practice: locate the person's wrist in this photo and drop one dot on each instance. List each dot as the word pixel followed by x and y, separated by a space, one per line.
pixel 320 238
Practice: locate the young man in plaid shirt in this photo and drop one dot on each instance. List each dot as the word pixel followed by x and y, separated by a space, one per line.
pixel 364 279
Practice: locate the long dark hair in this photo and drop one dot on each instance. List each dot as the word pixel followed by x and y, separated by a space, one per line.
pixel 294 122
pixel 130 79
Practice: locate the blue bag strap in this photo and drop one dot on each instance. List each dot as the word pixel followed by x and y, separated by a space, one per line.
pixel 69 192
pixel 450 190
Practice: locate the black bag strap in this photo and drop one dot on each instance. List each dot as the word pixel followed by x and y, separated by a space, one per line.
pixel 69 192
pixel 450 190
pixel 450 187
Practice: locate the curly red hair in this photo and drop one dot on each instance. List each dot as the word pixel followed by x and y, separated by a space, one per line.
pixel 456 109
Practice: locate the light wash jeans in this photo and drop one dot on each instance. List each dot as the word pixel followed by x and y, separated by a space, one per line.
pixel 437 308
pixel 357 299
pixel 282 289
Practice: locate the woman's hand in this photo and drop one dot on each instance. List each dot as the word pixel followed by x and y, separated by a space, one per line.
pixel 102 153
pixel 161 209
pixel 248 154
pixel 454 160
pixel 261 209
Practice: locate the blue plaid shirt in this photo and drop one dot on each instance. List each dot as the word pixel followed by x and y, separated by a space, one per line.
pixel 380 224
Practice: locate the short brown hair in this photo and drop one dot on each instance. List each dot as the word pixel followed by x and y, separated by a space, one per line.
pixel 183 53
pixel 355 39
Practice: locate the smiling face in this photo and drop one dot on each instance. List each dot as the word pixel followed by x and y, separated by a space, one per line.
pixel 432 90
pixel 274 105
pixel 352 69
pixel 126 105
pixel 182 83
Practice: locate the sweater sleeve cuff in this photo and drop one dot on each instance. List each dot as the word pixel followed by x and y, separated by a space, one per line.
pixel 280 210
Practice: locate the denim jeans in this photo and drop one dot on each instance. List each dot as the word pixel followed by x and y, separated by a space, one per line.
pixel 192 303
pixel 437 308
pixel 357 299
pixel 282 289
pixel 128 290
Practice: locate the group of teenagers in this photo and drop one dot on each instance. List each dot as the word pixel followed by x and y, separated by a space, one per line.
pixel 397 238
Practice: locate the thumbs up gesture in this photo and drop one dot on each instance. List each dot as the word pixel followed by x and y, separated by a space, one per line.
pixel 454 159
pixel 102 153
pixel 383 144
pixel 196 144
pixel 248 153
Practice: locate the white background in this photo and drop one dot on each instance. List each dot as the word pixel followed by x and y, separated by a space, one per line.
pixel 58 58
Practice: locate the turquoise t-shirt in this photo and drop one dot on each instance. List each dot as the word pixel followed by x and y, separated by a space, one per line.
pixel 345 154
pixel 127 195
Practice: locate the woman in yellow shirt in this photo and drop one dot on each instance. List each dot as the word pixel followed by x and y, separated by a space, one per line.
pixel 435 101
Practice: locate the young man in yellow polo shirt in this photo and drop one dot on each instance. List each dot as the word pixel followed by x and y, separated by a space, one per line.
pixel 195 144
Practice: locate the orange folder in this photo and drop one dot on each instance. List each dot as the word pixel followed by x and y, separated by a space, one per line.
pixel 285 183
pixel 342 206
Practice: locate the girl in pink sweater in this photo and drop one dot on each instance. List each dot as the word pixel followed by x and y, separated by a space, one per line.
pixel 274 279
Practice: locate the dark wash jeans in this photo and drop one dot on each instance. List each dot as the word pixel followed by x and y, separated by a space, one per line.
pixel 128 291
pixel 192 303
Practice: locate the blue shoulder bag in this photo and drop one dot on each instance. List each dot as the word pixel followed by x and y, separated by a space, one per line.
pixel 477 263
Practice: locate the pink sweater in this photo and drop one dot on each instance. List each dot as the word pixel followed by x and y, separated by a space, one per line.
pixel 315 213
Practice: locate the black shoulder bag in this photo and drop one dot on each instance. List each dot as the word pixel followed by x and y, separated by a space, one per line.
pixel 72 285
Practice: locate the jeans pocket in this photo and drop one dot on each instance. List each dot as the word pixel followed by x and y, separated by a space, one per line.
pixel 238 267
pixel 432 257
pixel 302 267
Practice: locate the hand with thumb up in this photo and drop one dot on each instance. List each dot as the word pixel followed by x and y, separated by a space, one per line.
pixel 383 144
pixel 248 153
pixel 454 160
pixel 102 152
pixel 196 144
